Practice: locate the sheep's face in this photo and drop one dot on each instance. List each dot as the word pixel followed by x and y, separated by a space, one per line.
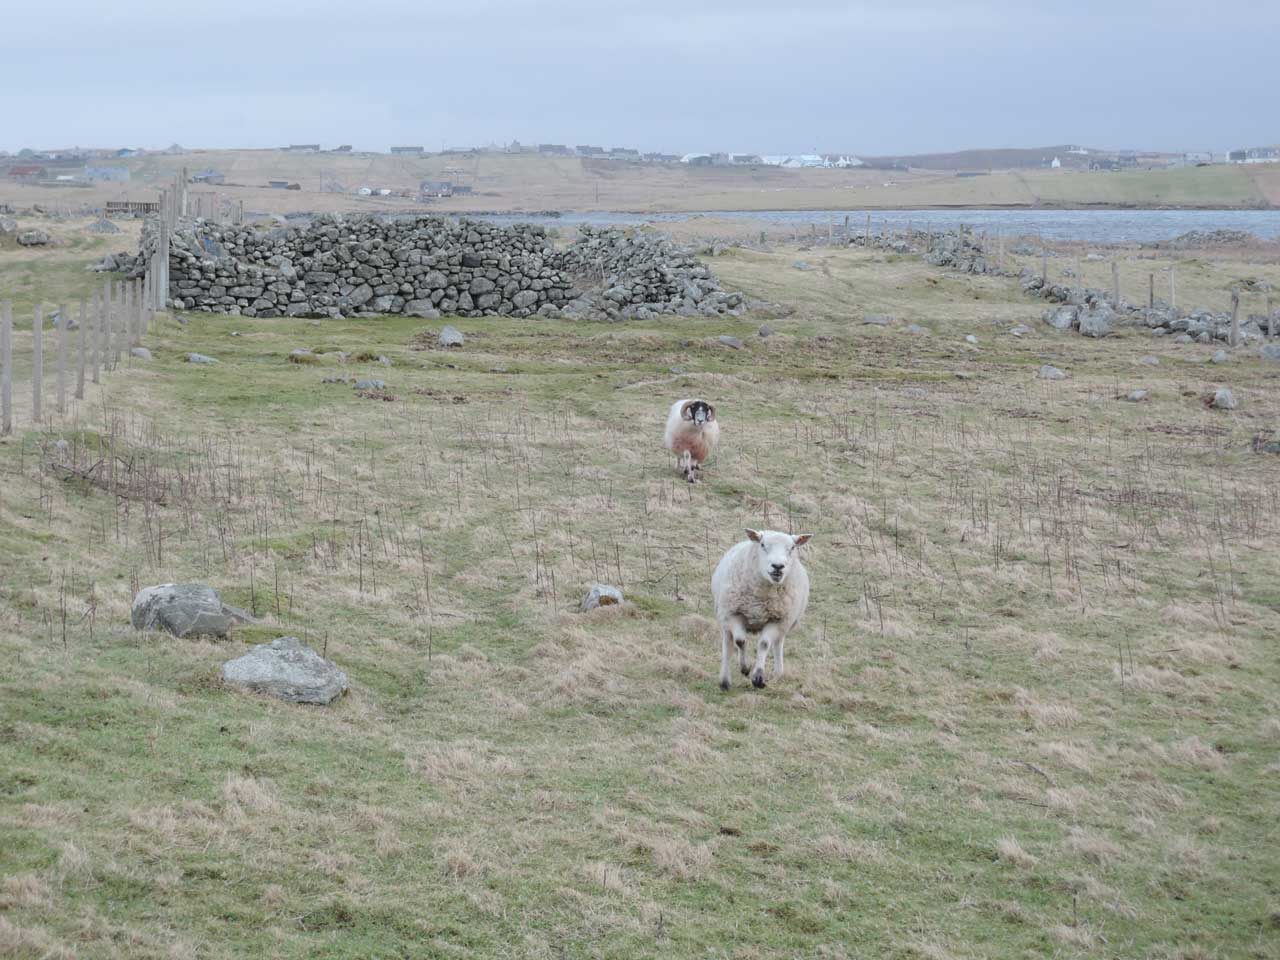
pixel 775 553
pixel 698 412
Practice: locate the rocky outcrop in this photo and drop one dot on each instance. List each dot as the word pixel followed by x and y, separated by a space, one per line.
pixel 289 670
pixel 185 610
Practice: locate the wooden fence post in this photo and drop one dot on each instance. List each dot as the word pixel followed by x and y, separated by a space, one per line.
pixel 82 333
pixel 867 238
pixel 118 333
pixel 1235 317
pixel 106 326
pixel 37 363
pixel 1151 291
pixel 95 344
pixel 1271 317
pixel 62 359
pixel 6 368
pixel 1115 283
pixel 1173 291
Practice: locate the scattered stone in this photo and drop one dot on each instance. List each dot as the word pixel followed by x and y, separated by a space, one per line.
pixel 1061 318
pixel 1020 331
pixel 1149 361
pixel 1219 357
pixel 102 225
pixel 1224 399
pixel 601 595
pixel 8 226
pixel 1097 322
pixel 34 238
pixel 732 343
pixel 916 393
pixel 343 380
pixel 370 384
pixel 1182 338
pixel 877 320
pixel 1137 396
pixel 451 337
pixel 803 265
pixel 1050 372
pixel 1271 351
pixel 765 330
pixel 971 340
pixel 289 670
pixel 199 358
pixel 186 610
pixel 142 353
pixel 918 330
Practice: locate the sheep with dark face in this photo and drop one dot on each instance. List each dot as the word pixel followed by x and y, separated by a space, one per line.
pixel 760 587
pixel 692 433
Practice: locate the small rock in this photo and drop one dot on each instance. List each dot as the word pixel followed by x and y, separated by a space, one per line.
pixel 731 342
pixel 385 361
pixel 971 340
pixel 1137 396
pixel 765 330
pixel 34 238
pixel 451 337
pixel 1020 331
pixel 1149 361
pixel 199 358
pixel 1050 372
pixel 102 225
pixel 916 393
pixel 877 320
pixel 370 384
pixel 803 265
pixel 289 670
pixel 1271 351
pixel 918 330
pixel 185 610
pixel 1182 338
pixel 1224 399
pixel 142 353
pixel 234 333
pixel 1219 357
pixel 601 595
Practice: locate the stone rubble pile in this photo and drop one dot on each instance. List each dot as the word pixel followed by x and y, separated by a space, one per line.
pixel 1198 239
pixel 338 266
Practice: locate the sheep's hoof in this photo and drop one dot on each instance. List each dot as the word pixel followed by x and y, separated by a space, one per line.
pixel 724 685
pixel 757 681
pixel 746 671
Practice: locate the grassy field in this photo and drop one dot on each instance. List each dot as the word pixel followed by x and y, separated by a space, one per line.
pixel 531 182
pixel 1033 709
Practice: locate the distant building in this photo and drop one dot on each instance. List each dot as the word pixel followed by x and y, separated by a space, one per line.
pixel 795 161
pixel 278 184
pixel 434 189
pixel 27 172
pixel 1104 163
pixel 1255 155
pixel 744 158
pixel 697 159
pixel 107 174
pixel 623 153
pixel 210 176
pixel 345 148
pixel 589 151
pixel 125 152
pixel 1055 164
pixel 131 208
pixel 409 150
pixel 555 149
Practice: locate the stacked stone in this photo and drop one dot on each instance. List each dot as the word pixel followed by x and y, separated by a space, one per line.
pixel 341 267
pixel 644 274
pixel 1092 313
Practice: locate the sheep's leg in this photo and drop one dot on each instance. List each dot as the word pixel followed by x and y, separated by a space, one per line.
pixel 688 466
pixel 735 628
pixel 777 654
pixel 726 642
pixel 768 637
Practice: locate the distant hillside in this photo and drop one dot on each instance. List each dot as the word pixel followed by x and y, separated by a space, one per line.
pixel 1004 158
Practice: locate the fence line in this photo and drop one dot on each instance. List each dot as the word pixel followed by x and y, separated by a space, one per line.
pixel 110 323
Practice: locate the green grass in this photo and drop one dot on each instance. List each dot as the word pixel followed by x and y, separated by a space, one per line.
pixel 508 777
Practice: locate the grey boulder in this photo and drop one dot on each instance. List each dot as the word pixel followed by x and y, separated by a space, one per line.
pixel 142 353
pixel 1097 322
pixel 1224 399
pixel 451 337
pixel 1271 351
pixel 185 610
pixel 1049 372
pixel 733 343
pixel 34 238
pixel 289 670
pixel 199 358
pixel 601 595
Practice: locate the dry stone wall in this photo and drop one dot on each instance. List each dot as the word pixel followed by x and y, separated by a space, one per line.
pixel 429 266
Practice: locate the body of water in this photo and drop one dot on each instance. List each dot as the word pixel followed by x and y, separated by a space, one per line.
pixel 1091 226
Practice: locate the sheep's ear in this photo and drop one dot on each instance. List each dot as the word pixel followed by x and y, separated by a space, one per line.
pixel 686 412
pixel 801 540
pixel 753 534
pixel 711 413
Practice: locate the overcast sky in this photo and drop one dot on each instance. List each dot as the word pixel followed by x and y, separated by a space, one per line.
pixel 673 75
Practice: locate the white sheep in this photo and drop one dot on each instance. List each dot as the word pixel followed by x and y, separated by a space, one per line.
pixel 692 433
pixel 760 587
